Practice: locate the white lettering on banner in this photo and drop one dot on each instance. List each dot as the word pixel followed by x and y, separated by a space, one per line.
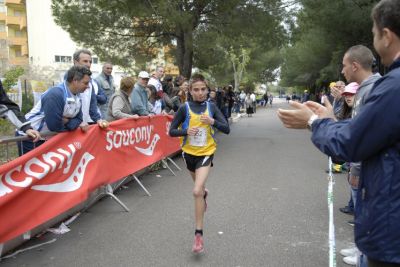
pixel 47 165
pixel 128 137
pixel 24 183
pixel 73 182
pixel 28 169
pixel 69 155
pixel 149 150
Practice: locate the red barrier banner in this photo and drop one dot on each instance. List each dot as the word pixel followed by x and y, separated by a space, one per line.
pixel 61 173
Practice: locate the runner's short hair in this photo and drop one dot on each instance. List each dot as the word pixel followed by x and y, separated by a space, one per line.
pixel 197 78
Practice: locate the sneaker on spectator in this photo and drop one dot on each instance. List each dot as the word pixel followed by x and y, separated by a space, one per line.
pixel 348 251
pixel 350 260
pixel 198 244
pixel 351 223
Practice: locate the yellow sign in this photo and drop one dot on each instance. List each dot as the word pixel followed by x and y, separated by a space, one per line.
pixel 38 86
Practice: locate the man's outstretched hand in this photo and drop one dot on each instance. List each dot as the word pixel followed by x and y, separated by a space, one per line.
pixel 322 111
pixel 296 118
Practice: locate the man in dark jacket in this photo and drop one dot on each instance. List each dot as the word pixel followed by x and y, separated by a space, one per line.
pixel 10 111
pixel 372 137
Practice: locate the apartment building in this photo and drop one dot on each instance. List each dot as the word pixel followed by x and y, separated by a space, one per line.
pixel 13 34
pixel 50 46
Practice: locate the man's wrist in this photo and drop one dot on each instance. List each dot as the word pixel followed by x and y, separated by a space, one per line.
pixel 311 121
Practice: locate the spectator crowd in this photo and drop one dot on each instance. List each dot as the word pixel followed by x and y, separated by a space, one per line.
pixel 81 100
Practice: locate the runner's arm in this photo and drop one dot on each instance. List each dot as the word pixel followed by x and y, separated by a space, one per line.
pixel 219 120
pixel 179 118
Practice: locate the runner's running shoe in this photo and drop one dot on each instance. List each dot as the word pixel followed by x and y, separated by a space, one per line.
pixel 198 244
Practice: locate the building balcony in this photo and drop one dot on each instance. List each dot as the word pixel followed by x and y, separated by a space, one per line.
pixel 17 41
pixel 3 53
pixel 14 20
pixel 24 50
pixel 20 61
pixel 13 2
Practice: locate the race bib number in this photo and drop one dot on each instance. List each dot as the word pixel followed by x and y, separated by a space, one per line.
pixel 200 139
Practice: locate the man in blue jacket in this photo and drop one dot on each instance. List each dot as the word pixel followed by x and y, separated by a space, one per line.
pixel 60 107
pixel 372 137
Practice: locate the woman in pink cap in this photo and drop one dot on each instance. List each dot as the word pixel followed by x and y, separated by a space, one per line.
pixel 349 92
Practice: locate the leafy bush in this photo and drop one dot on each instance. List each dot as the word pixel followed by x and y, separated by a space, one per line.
pixel 6 128
pixel 27 102
pixel 11 77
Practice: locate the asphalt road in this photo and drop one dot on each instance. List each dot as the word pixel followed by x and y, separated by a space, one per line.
pixel 267 207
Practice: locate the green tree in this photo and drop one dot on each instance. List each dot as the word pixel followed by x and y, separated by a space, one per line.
pixel 254 27
pixel 11 77
pixel 123 30
pixel 239 63
pixel 320 35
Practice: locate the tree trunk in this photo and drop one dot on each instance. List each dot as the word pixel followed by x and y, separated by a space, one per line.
pixel 235 76
pixel 184 52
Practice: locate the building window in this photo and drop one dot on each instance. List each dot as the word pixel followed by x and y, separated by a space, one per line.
pixel 2 26
pixel 18 33
pixel 18 53
pixel 18 13
pixel 2 7
pixel 95 60
pixel 63 59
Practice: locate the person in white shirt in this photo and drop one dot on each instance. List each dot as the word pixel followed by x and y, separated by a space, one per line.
pixel 91 97
pixel 253 98
pixel 155 78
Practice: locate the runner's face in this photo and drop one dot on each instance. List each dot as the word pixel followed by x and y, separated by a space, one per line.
pixel 199 91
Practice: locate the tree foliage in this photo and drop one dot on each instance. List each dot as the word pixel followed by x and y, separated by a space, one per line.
pixel 257 29
pixel 11 77
pixel 201 31
pixel 321 34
